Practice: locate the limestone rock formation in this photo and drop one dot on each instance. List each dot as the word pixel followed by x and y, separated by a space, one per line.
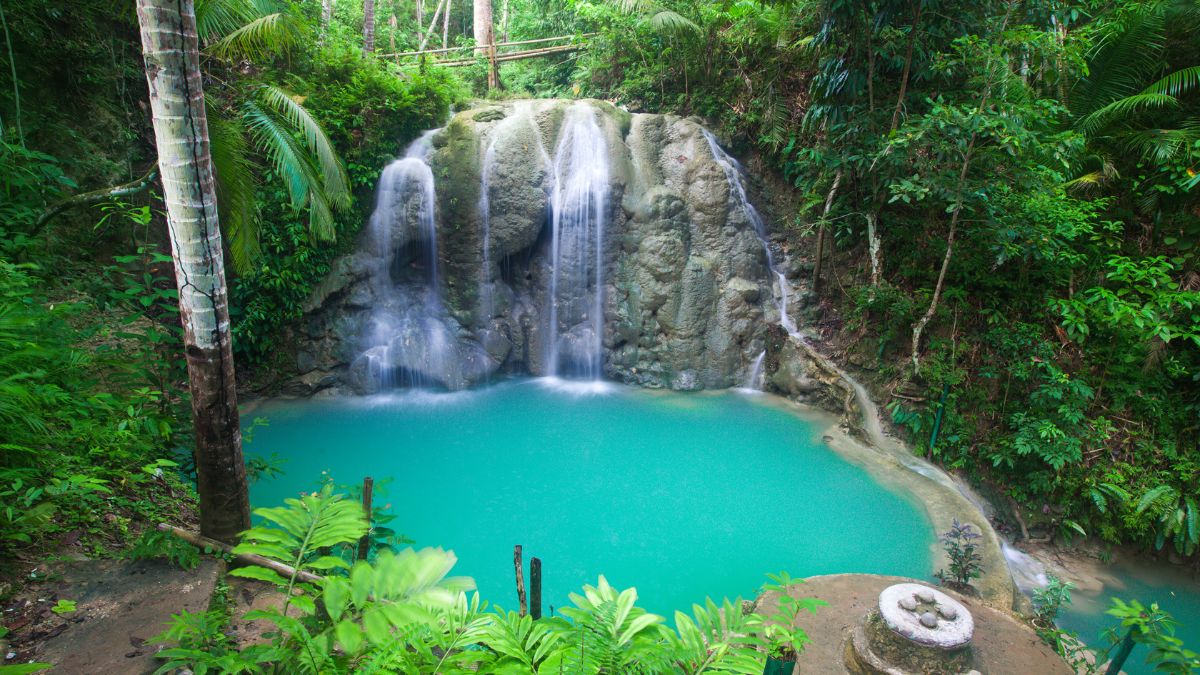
pixel 680 275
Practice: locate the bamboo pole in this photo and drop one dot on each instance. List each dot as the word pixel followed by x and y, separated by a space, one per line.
pixel 520 578
pixel 500 44
pixel 204 542
pixel 535 588
pixel 364 544
pixel 516 56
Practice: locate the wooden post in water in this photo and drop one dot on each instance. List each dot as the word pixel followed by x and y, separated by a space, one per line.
pixel 535 588
pixel 517 563
pixel 364 544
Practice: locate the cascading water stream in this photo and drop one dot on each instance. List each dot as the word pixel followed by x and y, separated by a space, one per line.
pixel 1026 572
pixel 486 296
pixel 579 204
pixel 404 206
pixel 754 377
pixel 733 174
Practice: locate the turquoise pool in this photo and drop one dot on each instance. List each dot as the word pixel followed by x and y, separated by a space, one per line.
pixel 681 495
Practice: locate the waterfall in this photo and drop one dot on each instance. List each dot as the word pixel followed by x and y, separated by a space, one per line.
pixel 579 203
pixel 408 344
pixel 754 376
pixel 486 296
pixel 733 174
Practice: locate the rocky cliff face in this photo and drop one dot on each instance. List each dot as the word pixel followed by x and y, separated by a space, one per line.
pixel 666 252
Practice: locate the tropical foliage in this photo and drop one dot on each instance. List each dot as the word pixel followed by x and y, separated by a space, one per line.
pixel 400 612
pixel 1014 212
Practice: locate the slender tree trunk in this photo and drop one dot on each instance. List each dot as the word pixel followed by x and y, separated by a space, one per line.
pixel 326 15
pixel 368 27
pixel 446 26
pixel 908 56
pixel 485 39
pixel 955 212
pixel 437 12
pixel 393 24
pixel 837 181
pixel 169 41
pixel 419 8
pixel 16 84
pixel 873 248
pixel 504 23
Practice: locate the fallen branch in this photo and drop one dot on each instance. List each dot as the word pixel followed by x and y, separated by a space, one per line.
pixel 249 558
pixel 103 194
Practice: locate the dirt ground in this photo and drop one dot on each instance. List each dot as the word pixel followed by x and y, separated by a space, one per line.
pixel 120 605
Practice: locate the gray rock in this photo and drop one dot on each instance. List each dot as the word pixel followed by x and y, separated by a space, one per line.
pixel 687 299
pixel 929 620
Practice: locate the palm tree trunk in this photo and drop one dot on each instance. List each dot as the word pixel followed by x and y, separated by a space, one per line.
pixel 169 41
pixel 485 39
pixel 368 26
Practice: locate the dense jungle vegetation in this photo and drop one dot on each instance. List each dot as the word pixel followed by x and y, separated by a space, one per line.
pixel 1000 200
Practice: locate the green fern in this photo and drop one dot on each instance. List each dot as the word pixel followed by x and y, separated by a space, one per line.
pixel 522 643
pixel 717 639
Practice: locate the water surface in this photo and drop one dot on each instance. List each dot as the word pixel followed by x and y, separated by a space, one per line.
pixel 1174 589
pixel 681 495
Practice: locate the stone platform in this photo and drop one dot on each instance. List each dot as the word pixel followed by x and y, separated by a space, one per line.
pixel 1002 644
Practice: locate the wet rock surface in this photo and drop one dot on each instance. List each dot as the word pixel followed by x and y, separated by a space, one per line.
pixel 687 294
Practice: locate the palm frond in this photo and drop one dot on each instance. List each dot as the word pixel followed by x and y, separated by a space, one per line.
pixel 658 17
pixel 1177 83
pixel 294 165
pixel 673 23
pixel 1161 145
pixel 215 18
pixel 1128 51
pixel 336 182
pixel 1121 108
pixel 260 37
pixel 236 183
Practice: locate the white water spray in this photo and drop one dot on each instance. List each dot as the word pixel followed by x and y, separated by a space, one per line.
pixel 733 174
pixel 401 324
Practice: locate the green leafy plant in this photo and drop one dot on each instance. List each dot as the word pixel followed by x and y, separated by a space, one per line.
pixel 1154 628
pixel 154 544
pixel 1176 516
pixel 1048 600
pixel 401 612
pixel 784 639
pixel 961 544
pixel 63 607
